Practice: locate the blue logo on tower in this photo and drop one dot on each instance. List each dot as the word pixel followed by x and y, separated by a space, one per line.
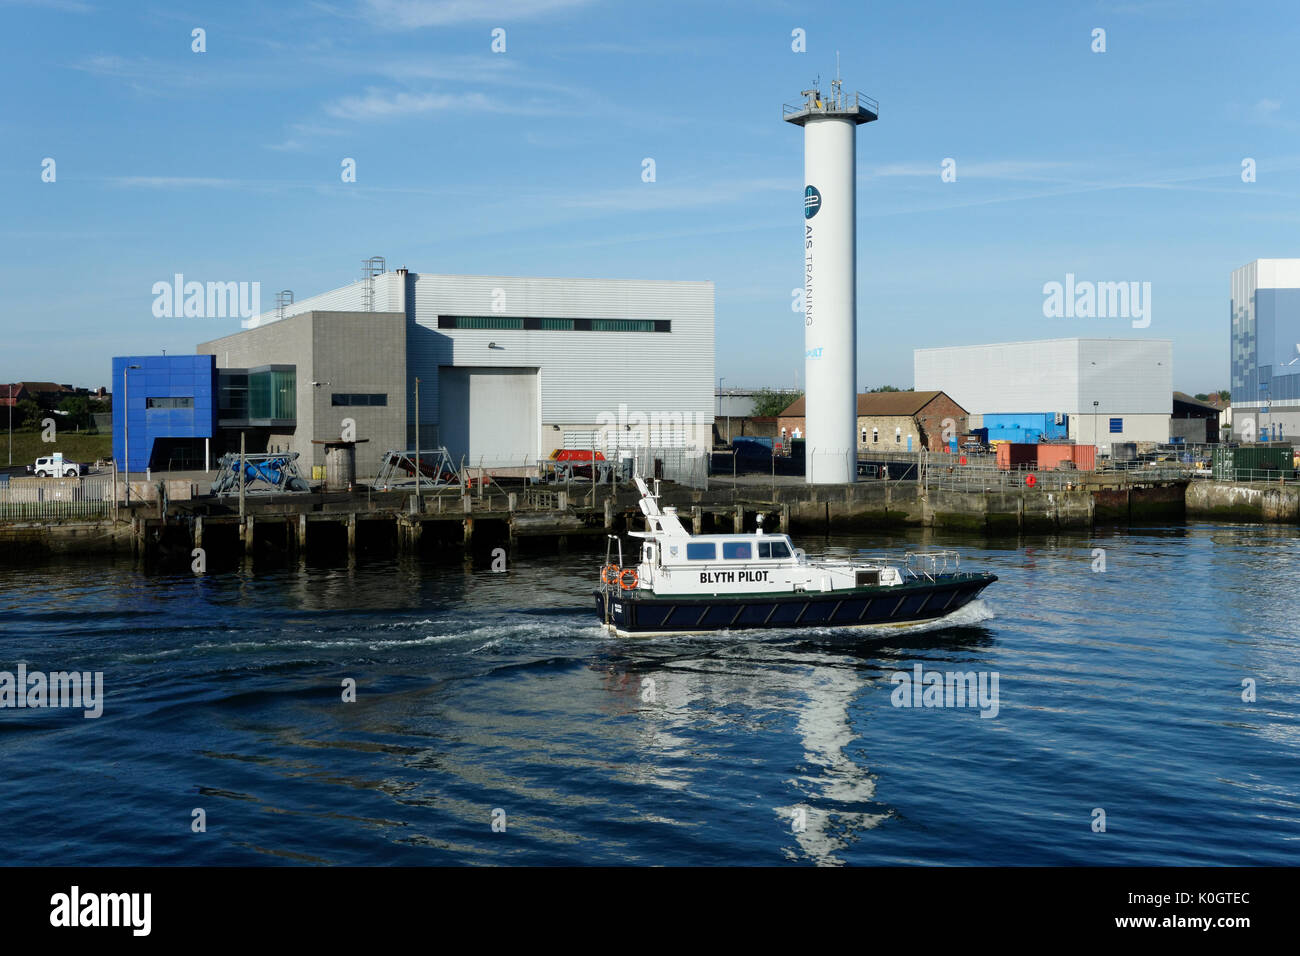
pixel 812 201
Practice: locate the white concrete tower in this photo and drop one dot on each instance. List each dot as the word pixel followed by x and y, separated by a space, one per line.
pixel 830 279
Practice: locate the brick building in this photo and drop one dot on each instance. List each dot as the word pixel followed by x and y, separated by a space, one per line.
pixel 890 419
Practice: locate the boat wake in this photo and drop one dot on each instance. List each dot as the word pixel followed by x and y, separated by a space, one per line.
pixel 973 614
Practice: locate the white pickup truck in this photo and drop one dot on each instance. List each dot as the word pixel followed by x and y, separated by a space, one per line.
pixel 48 468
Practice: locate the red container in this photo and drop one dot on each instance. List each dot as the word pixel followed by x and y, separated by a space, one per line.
pixel 1015 454
pixel 1045 456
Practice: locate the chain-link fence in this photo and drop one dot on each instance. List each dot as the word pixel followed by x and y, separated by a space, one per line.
pixel 685 465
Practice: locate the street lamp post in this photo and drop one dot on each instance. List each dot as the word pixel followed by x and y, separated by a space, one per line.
pixel 11 423
pixel 1096 438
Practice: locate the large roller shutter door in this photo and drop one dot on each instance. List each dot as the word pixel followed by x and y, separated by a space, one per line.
pixel 489 415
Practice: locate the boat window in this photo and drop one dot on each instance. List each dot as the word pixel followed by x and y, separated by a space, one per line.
pixel 701 551
pixel 780 549
pixel 764 549
pixel 738 550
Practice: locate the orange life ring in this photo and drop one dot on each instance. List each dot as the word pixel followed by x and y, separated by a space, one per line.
pixel 622 579
pixel 609 575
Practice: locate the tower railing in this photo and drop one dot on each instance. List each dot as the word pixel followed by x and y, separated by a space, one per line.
pixel 834 103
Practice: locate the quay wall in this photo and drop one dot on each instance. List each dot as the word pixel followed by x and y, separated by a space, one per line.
pixel 338 523
pixel 21 540
pixel 1257 501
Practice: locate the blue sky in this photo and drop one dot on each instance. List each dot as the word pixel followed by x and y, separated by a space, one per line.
pixel 225 165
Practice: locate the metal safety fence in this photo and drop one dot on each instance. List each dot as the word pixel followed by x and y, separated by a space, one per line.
pixel 48 499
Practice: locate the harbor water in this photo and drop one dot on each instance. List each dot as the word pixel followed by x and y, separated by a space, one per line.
pixel 1144 685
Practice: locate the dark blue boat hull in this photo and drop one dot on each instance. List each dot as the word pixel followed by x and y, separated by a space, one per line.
pixel 634 611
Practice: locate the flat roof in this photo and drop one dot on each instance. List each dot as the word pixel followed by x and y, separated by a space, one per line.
pixel 1076 338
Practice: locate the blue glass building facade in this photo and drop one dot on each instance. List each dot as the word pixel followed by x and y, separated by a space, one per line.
pixel 1265 346
pixel 169 403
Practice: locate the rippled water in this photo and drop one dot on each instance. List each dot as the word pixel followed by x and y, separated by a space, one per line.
pixel 478 692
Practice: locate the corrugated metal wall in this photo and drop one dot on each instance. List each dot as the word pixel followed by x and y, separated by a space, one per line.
pixel 582 374
pixel 1127 376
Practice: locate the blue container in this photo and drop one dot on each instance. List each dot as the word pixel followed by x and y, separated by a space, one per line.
pixel 1026 427
pixel 751 448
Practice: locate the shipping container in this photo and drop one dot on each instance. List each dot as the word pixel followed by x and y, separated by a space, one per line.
pixel 1263 461
pixel 1026 427
pixel 1017 454
pixel 1046 456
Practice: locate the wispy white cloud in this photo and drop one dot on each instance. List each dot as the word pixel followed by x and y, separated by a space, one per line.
pixel 1209 179
pixel 648 197
pixel 177 182
pixel 300 133
pixel 470 71
pixel 1268 112
pixel 378 104
pixel 1181 8
pixel 63 6
pixel 159 78
pixel 1017 169
pixel 409 14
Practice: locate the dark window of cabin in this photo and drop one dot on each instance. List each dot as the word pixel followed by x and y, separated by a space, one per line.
pixel 737 550
pixel 780 549
pixel 865 578
pixel 701 551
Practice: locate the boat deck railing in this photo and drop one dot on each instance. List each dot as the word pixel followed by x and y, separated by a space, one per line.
pixel 925 564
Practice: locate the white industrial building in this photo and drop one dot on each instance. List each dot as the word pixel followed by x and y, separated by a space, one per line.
pixel 509 368
pixel 1113 390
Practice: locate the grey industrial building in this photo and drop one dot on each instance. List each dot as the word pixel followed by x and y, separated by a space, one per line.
pixel 508 368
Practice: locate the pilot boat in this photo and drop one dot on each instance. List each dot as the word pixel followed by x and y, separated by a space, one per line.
pixel 685 583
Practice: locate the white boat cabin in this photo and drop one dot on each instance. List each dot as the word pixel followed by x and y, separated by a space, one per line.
pixel 673 561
